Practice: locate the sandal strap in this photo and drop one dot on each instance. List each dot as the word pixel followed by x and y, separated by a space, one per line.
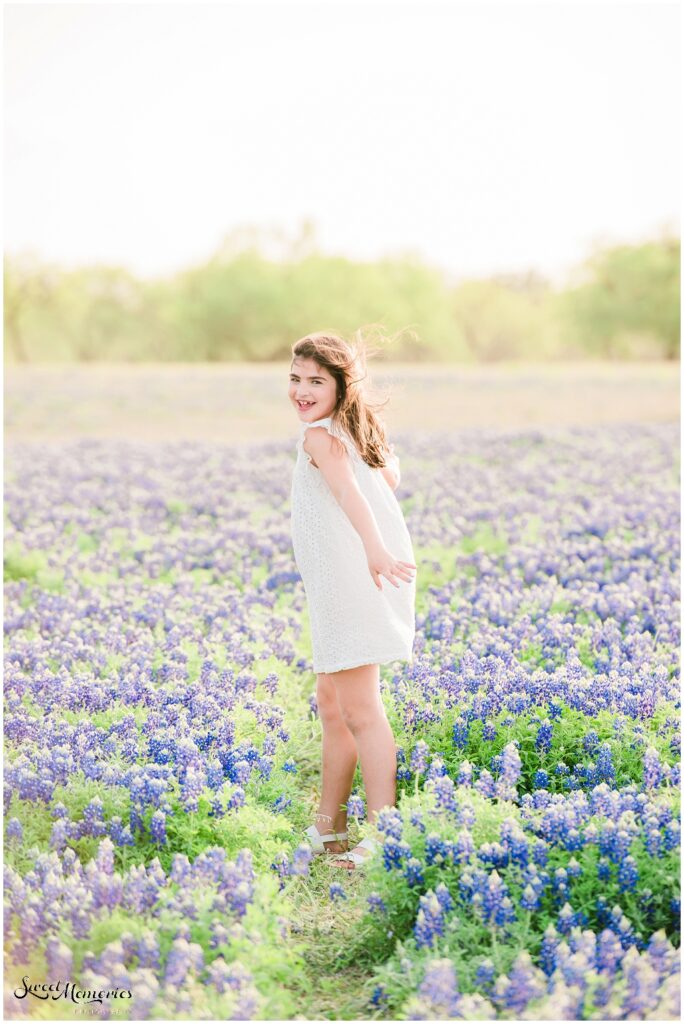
pixel 329 837
pixel 358 858
pixel 355 858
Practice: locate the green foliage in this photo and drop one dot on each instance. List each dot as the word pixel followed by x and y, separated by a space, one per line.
pixel 20 564
pixel 243 306
pixel 629 302
pixel 570 728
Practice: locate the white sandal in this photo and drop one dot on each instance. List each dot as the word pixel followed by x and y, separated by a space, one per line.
pixel 357 859
pixel 317 840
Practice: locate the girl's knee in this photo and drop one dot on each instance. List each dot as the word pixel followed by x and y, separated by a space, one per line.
pixel 359 718
pixel 326 699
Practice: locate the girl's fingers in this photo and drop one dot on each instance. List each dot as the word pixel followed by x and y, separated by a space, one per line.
pixel 404 573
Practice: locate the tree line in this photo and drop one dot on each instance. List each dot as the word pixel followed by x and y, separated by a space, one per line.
pixel 246 305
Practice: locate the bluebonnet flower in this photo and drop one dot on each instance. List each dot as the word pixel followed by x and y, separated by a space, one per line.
pixel 465 774
pixel 652 769
pixel 540 853
pixel 521 986
pixel 281 803
pixel 436 850
pixel 355 806
pixel 120 834
pixel 544 736
pixel 445 898
pixel 413 872
pixel 14 829
pixel 193 787
pixel 376 902
pixel 337 892
pixel 628 874
pixel 540 779
pixel 439 989
pixel 281 865
pixel 379 996
pixel 463 847
pixel 236 799
pixel 590 741
pixel 655 845
pixel 609 951
pixel 529 899
pixel 419 757
pixel 301 859
pixel 605 769
pixel 460 733
pixel 288 766
pixel 515 841
pixel 437 769
pixel 672 835
pixel 92 818
pixel 394 852
pixel 574 868
pixel 484 976
pixel 485 784
pixel 390 822
pixel 603 869
pixel 566 919
pixel 491 898
pixel 488 731
pixel 429 921
pixel 444 790
pixel 158 827
pixel 511 768
pixel 417 821
pixel 59 957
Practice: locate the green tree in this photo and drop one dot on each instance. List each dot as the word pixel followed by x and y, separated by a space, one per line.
pixel 628 290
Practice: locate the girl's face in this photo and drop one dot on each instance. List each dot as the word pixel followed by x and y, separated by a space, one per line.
pixel 312 390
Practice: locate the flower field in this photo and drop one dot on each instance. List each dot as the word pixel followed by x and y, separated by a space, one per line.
pixel 162 744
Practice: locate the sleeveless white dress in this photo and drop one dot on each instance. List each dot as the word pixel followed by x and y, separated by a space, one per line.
pixel 352 622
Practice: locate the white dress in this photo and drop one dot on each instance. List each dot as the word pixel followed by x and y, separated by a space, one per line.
pixel 352 622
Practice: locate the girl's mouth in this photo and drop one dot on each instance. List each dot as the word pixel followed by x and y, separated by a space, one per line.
pixel 305 405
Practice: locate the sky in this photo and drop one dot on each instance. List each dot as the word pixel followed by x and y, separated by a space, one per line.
pixel 481 138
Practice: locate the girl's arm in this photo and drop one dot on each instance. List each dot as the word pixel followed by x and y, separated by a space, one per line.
pixel 392 472
pixel 331 459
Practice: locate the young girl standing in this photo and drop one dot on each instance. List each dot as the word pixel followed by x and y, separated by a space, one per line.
pixel 354 554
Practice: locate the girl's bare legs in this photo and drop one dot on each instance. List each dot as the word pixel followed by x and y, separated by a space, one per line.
pixel 358 693
pixel 339 763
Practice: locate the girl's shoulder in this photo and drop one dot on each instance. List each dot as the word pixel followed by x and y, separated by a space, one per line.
pixel 334 429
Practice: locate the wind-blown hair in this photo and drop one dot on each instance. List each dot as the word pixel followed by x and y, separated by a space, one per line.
pixel 356 411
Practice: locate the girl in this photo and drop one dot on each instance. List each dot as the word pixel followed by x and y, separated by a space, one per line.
pixel 348 532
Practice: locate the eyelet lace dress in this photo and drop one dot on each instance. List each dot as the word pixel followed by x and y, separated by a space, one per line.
pixel 352 622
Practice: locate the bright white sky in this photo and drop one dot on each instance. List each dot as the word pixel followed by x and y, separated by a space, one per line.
pixel 484 138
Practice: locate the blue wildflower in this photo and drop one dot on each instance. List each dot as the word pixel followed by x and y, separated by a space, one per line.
pixel 544 736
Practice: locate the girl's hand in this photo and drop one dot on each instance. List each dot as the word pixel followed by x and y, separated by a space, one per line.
pixel 382 563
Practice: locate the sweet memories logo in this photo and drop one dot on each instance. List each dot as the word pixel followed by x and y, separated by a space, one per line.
pixel 69 991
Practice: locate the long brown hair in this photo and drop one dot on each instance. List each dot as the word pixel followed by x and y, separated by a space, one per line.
pixel 356 410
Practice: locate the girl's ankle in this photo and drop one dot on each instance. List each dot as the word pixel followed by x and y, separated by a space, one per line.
pixel 325 824
pixel 324 829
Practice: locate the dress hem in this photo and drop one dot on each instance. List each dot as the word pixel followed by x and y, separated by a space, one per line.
pixel 365 661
